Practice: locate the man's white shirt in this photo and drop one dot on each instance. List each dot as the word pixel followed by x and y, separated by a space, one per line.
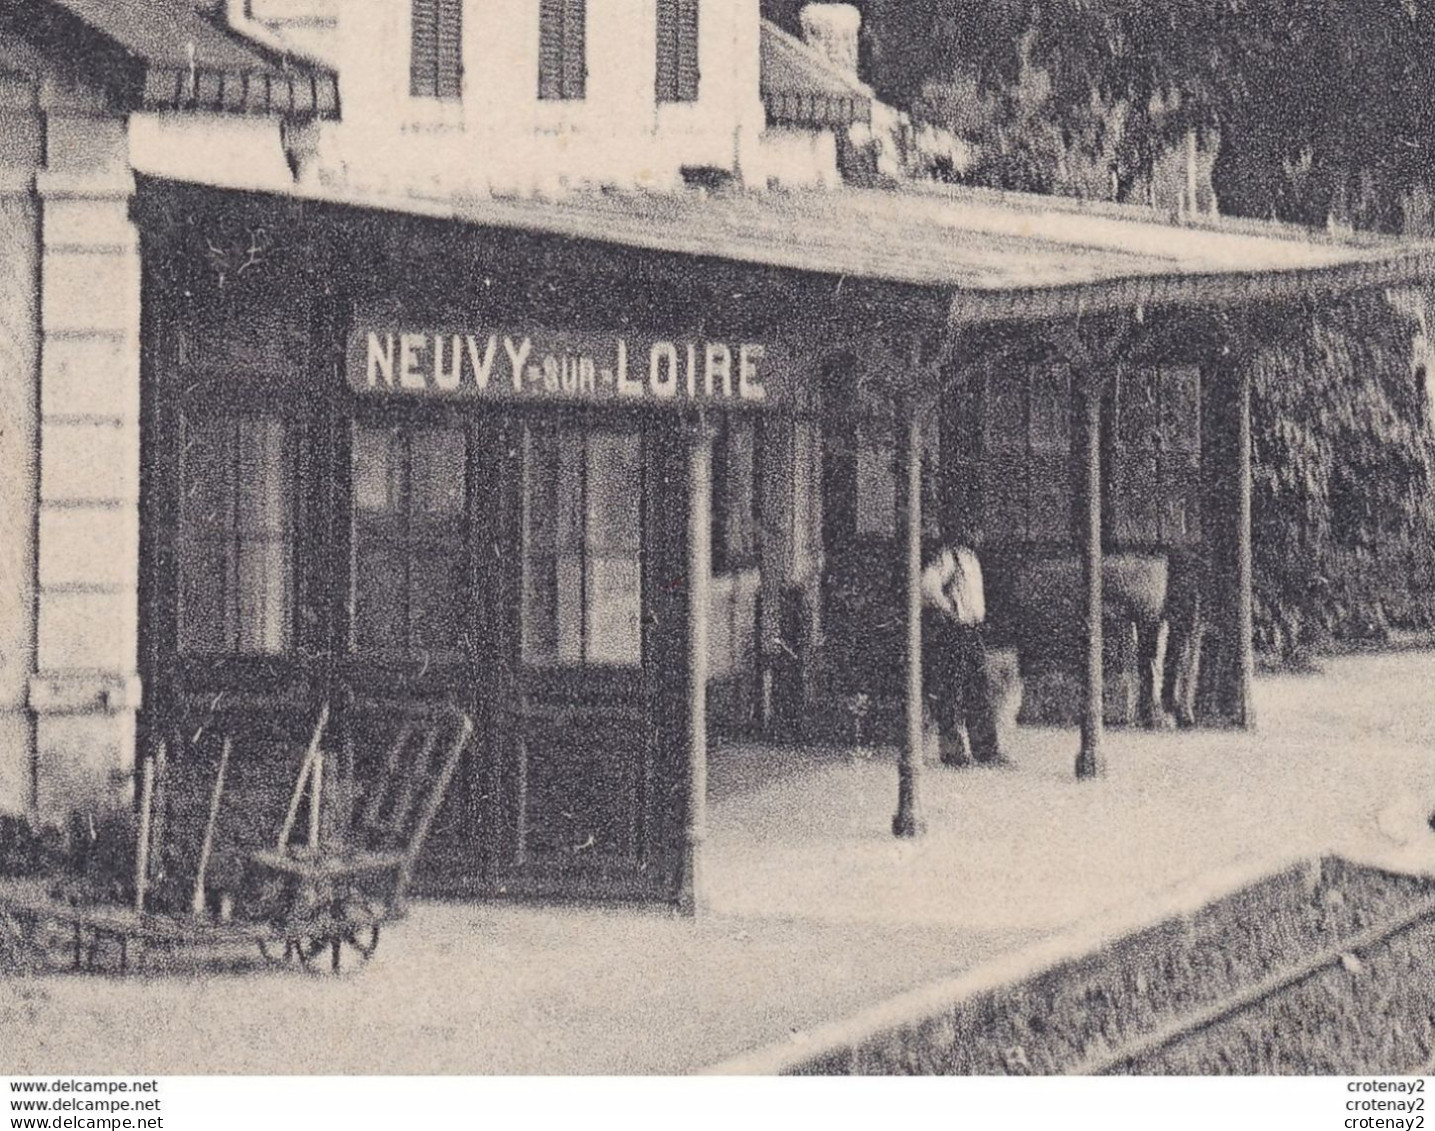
pixel 952 584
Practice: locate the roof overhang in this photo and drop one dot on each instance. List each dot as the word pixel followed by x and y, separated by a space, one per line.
pixel 801 88
pixel 979 256
pixel 171 55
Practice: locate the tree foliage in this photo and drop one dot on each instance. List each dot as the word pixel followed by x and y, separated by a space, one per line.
pixel 1344 480
pixel 1325 111
pixel 1324 106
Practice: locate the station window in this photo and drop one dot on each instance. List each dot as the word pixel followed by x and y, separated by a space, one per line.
pixel 1156 461
pixel 737 531
pixel 563 49
pixel 236 536
pixel 677 70
pixel 582 538
pixel 876 502
pixel 410 500
pixel 436 49
pixel 1026 447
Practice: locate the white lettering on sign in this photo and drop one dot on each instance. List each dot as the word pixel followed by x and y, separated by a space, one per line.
pixel 410 347
pixel 626 386
pixel 748 387
pixel 517 359
pixel 381 360
pixel 447 379
pixel 482 369
pixel 663 370
pixel 579 366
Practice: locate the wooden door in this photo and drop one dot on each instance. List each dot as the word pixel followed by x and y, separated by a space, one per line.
pixel 409 617
pixel 587 800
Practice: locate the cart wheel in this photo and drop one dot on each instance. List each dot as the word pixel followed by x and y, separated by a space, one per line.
pixel 32 942
pixel 339 953
pixel 362 917
pixel 300 950
pixel 16 947
pixel 364 940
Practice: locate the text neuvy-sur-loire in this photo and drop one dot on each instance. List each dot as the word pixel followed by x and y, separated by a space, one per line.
pixel 457 363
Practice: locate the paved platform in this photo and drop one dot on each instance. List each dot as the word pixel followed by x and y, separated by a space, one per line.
pixel 817 914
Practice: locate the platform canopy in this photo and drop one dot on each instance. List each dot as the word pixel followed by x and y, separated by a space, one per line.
pixel 989 256
pixel 174 55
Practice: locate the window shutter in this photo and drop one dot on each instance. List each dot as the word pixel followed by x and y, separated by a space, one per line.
pixel 550 48
pixel 562 49
pixel 423 54
pixel 449 83
pixel 575 49
pixel 677 55
pixel 436 57
pixel 688 50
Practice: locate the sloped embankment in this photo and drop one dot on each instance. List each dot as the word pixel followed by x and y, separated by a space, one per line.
pixel 1323 968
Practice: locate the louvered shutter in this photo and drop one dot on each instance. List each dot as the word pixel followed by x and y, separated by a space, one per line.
pixel 423 53
pixel 677 62
pixel 550 48
pixel 562 49
pixel 436 57
pixel 575 49
pixel 449 81
pixel 688 74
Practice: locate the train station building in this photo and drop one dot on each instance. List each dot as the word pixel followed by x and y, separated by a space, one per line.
pixel 553 364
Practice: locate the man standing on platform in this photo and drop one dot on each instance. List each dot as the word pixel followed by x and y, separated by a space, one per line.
pixel 954 653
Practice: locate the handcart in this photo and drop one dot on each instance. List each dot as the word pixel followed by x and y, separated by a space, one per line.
pixel 317 904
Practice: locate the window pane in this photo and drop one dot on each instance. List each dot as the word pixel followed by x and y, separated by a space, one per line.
pixel 207 482
pixel 876 485
pixel 614 493
pixel 202 623
pixel 439 479
pixel 1005 413
pixel 235 540
pixel 569 610
pixel 1139 408
pixel 614 611
pixel 677 55
pixel 568 490
pixel 540 493
pixel 1181 498
pixel 582 574
pixel 263 477
pixel 540 610
pixel 1004 497
pixel 1051 411
pixel 263 597
pixel 739 493
pixel 1050 511
pixel 378 469
pixel 1181 408
pixel 1138 496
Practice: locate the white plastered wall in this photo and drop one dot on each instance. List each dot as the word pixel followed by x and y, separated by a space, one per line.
pixel 501 138
pixel 69 395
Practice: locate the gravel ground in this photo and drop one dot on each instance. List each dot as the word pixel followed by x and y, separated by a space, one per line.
pixel 1372 1013
pixel 1369 1012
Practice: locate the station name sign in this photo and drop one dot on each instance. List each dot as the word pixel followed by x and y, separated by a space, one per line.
pixel 564 367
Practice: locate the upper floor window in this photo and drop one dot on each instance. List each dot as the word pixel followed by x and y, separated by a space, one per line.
pixel 436 56
pixel 563 49
pixel 677 51
pixel 236 536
